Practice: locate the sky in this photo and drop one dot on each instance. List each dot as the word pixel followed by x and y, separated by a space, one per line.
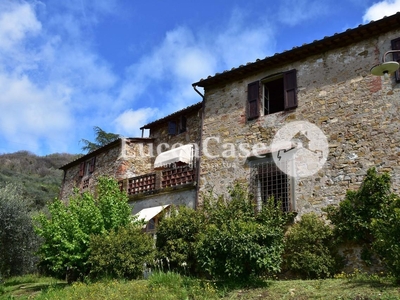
pixel 68 66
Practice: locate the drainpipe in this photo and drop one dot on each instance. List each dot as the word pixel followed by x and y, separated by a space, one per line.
pixel 198 160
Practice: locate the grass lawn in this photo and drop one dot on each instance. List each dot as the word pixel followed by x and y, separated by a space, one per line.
pixel 172 286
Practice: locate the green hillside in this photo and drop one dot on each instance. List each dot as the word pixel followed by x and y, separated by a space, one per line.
pixel 38 176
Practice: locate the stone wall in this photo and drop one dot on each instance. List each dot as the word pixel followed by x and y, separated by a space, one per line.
pixel 125 159
pixel 358 113
pixel 192 134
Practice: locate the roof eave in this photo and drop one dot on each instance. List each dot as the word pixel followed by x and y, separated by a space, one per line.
pixel 297 53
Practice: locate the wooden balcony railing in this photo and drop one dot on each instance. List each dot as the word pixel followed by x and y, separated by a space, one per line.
pixel 173 177
pixel 141 184
pixel 177 176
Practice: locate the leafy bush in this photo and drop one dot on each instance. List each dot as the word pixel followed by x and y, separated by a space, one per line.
pixel 176 237
pixel 386 231
pixel 310 250
pixel 121 253
pixel 352 218
pixel 225 237
pixel 236 242
pixel 67 232
pixel 18 241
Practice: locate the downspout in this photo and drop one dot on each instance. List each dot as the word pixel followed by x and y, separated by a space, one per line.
pixel 61 193
pixel 198 160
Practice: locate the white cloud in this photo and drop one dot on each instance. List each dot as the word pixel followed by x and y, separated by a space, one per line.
pixel 184 57
pixel 381 9
pixel 16 22
pixel 129 122
pixel 53 85
pixel 243 41
pixel 293 12
pixel 29 114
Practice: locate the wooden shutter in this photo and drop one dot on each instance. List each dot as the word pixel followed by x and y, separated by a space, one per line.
pixel 172 127
pixel 290 89
pixel 183 124
pixel 92 164
pixel 82 169
pixel 396 56
pixel 253 100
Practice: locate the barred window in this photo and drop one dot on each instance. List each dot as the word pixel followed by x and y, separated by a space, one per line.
pixel 268 180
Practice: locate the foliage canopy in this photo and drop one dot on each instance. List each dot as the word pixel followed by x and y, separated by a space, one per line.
pixel 66 233
pixel 102 138
pixel 18 241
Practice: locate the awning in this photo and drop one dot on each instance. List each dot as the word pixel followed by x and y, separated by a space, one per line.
pixel 147 214
pixel 182 154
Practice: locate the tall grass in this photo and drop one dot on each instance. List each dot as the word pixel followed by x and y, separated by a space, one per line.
pixel 164 286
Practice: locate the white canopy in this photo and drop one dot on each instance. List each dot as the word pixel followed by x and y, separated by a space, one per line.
pixel 147 214
pixel 182 154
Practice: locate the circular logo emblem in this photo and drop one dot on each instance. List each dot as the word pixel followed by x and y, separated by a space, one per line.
pixel 300 149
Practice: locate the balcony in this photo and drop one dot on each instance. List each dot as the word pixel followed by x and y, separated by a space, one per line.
pixel 176 177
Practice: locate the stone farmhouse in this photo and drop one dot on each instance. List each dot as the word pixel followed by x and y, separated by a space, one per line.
pixel 303 125
pixel 326 83
pixel 153 176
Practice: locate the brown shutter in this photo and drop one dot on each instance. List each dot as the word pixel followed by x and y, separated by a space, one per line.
pixel 92 164
pixel 396 56
pixel 183 124
pixel 82 169
pixel 290 87
pixel 253 99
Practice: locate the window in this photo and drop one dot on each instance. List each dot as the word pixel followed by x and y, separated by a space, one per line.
pixel 268 180
pixel 87 167
pixel 278 93
pixel 177 126
pixel 396 56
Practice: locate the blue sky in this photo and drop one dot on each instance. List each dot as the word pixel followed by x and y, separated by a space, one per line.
pixel 67 66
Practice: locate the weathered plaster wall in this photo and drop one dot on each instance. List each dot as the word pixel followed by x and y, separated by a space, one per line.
pixel 183 197
pixel 359 114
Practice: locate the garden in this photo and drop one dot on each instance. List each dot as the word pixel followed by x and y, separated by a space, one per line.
pixel 93 248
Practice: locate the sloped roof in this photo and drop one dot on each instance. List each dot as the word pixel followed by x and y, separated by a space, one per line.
pixel 338 40
pixel 173 115
pixel 99 150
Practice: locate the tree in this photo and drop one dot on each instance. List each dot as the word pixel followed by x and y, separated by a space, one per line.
pixel 18 241
pixel 67 231
pixel 102 138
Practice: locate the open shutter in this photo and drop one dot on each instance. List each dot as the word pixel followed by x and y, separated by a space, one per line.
pixel 396 56
pixel 183 124
pixel 253 99
pixel 82 169
pixel 290 87
pixel 172 127
pixel 92 164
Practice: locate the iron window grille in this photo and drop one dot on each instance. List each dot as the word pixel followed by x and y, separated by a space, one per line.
pixel 269 180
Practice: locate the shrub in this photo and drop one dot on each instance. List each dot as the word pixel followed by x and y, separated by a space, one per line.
pixel 67 232
pixel 310 250
pixel 121 253
pixel 352 219
pixel 176 237
pixel 386 230
pixel 236 242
